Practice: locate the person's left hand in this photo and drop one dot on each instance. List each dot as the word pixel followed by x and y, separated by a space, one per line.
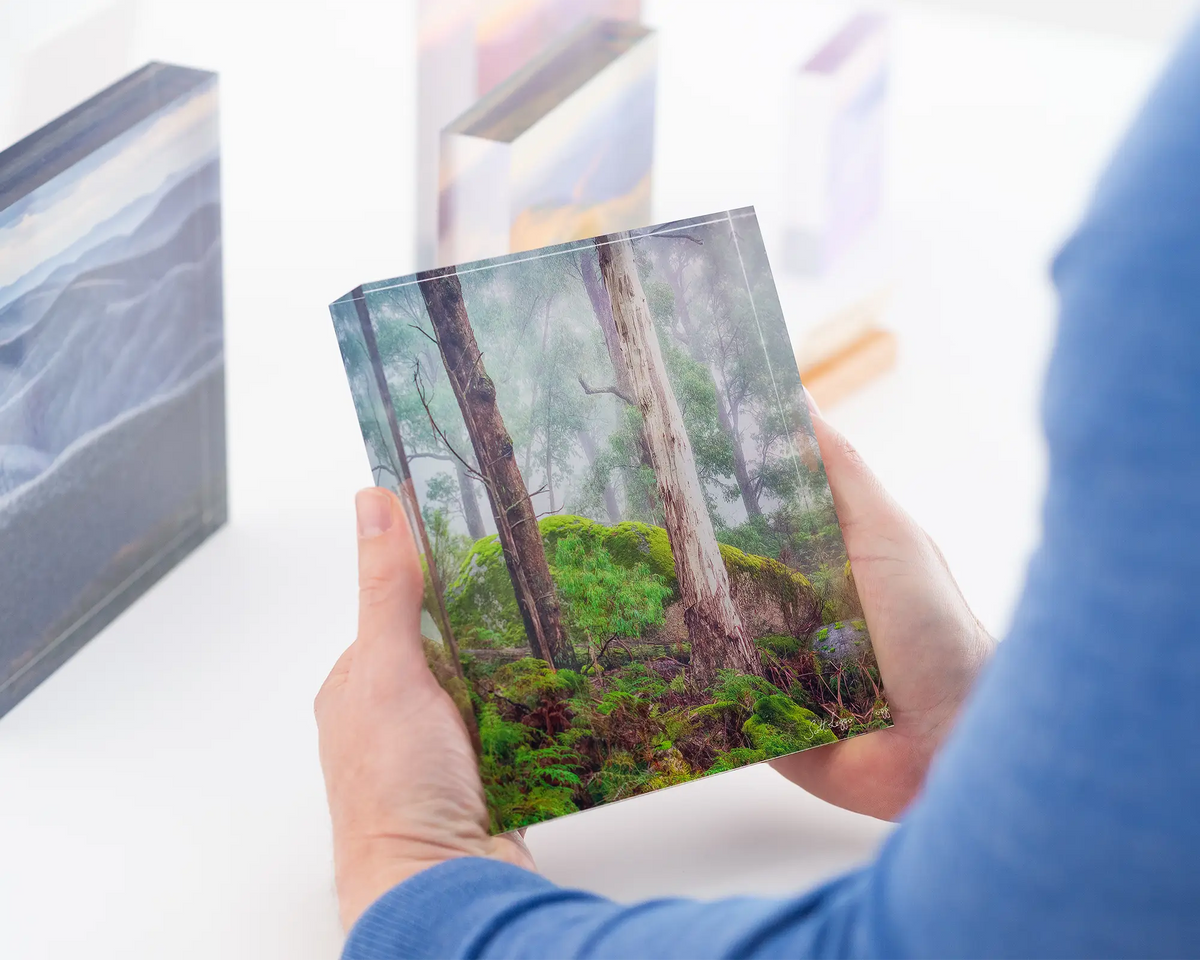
pixel 400 772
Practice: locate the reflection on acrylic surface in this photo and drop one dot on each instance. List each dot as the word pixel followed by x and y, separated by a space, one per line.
pixel 111 376
pixel 562 150
pixel 635 573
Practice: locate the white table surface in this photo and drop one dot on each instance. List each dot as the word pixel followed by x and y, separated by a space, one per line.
pixel 160 794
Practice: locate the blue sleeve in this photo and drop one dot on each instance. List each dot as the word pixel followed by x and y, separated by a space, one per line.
pixel 1063 816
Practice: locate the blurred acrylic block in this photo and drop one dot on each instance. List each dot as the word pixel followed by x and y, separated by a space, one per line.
pixel 465 48
pixel 511 33
pixel 53 57
pixel 112 397
pixel 835 160
pixel 561 150
pixel 446 87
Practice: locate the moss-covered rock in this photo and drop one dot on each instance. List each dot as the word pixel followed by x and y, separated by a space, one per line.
pixel 779 725
pixel 634 542
pixel 844 640
pixel 772 598
pixel 480 601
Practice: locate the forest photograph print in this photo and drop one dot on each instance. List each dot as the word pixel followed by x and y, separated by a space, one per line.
pixel 635 576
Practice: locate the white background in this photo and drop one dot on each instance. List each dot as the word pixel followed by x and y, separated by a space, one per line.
pixel 160 794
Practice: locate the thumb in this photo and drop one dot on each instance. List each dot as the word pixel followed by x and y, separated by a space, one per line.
pixel 869 517
pixel 391 586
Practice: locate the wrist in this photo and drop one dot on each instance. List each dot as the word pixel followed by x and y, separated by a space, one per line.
pixel 364 877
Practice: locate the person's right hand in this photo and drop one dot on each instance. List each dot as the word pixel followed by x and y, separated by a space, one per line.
pixel 928 644
pixel 400 772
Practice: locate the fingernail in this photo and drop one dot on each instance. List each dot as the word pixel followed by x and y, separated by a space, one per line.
pixel 374 509
pixel 812 404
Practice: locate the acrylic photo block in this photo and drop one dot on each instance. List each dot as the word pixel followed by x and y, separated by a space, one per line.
pixel 465 48
pixel 635 572
pixel 510 33
pixel 834 170
pixel 112 400
pixel 560 151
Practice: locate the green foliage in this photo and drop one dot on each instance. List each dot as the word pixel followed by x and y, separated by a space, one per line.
pixel 529 681
pixel 449 549
pixel 779 725
pixel 524 784
pixel 775 723
pixel 803 537
pixel 633 542
pixel 637 680
pixel 601 599
pixel 632 730
pixel 626 776
pixel 781 645
pixel 737 757
pixel 500 738
pixel 742 688
pixel 480 601
pixel 620 462
pixel 801 695
pixel 632 554
pixel 834 584
pixel 734 694
pixel 754 536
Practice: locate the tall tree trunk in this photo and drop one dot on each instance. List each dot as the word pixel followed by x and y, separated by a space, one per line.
pixel 588 443
pixel 740 471
pixel 466 492
pixel 549 470
pixel 408 494
pixel 715 628
pixel 516 523
pixel 674 274
pixel 602 308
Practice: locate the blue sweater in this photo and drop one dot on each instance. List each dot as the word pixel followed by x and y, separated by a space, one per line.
pixel 1062 818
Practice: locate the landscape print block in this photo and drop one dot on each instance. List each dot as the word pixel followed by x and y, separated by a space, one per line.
pixel 635 574
pixel 112 442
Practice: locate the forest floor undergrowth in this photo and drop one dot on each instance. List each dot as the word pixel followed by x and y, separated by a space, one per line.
pixel 557 741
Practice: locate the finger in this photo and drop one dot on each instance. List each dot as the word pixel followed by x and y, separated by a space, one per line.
pixel 876 773
pixel 861 502
pixel 390 587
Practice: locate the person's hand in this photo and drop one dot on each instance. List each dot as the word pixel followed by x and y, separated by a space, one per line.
pixel 928 644
pixel 400 772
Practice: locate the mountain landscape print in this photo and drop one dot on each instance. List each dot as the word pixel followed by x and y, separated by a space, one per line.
pixel 112 436
pixel 635 571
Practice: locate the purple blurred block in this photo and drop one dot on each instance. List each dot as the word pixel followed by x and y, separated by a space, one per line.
pixel 835 167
